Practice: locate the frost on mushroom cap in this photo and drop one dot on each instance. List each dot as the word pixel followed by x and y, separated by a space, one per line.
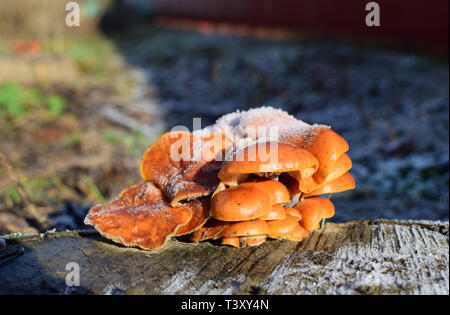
pixel 224 125
pixel 241 130
pixel 170 166
pixel 141 217
pixel 257 124
pixel 243 202
pixel 326 145
pixel 266 117
pixel 244 124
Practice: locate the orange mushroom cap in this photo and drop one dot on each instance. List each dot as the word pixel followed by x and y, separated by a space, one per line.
pixel 268 157
pixel 141 217
pixel 327 147
pixel 277 191
pixel 342 183
pixel 282 228
pixel 210 230
pixel 293 212
pixel 254 240
pixel 239 203
pixel 342 165
pixel 232 241
pixel 157 159
pixel 313 210
pixel 325 144
pixel 200 214
pixel 297 234
pixel 277 212
pixel 246 228
pixel 174 164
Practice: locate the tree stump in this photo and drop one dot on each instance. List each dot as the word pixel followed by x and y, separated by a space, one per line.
pixel 360 257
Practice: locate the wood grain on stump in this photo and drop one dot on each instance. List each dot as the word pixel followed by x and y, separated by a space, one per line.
pixel 361 257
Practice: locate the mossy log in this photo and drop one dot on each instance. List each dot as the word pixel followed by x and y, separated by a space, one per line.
pixel 360 257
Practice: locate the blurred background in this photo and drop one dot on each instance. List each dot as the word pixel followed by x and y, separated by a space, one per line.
pixel 79 105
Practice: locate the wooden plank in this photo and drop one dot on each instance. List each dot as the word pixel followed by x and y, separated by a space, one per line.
pixel 360 257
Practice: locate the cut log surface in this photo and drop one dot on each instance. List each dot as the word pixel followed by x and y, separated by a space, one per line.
pixel 360 257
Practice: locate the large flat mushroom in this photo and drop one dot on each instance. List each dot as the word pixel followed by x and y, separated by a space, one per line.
pixel 142 217
pixel 176 163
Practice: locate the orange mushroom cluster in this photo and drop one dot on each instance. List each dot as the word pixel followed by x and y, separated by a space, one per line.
pixel 233 182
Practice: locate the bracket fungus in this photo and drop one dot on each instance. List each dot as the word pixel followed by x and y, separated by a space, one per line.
pixel 265 187
pixel 141 217
pixel 179 168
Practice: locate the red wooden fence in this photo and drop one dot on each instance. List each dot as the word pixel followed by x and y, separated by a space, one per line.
pixel 418 23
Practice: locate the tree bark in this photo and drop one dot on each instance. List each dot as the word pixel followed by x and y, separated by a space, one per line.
pixel 360 257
